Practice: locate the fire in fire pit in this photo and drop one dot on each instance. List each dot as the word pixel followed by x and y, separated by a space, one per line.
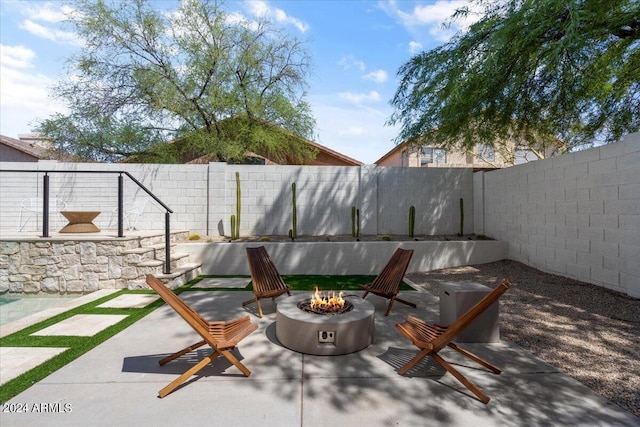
pixel 325 304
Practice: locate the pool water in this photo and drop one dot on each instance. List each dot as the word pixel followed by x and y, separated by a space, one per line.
pixel 19 306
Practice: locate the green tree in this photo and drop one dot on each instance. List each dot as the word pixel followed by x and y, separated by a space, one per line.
pixel 146 75
pixel 539 72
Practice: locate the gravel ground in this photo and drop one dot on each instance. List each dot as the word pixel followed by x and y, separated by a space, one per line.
pixel 590 333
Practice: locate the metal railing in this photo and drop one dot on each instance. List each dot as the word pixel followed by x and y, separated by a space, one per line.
pixel 45 205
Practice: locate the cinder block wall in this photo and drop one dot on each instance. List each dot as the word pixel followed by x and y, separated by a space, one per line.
pixel 182 187
pixel 203 197
pixel 577 215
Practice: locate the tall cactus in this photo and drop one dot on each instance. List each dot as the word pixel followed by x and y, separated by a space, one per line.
pixel 236 230
pixel 294 216
pixel 233 228
pixel 461 217
pixel 353 221
pixel 412 220
pixel 358 223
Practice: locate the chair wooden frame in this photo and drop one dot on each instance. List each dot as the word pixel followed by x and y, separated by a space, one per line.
pixel 431 338
pixel 221 336
pixel 387 283
pixel 267 282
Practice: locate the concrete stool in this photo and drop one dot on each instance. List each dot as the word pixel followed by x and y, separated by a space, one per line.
pixel 456 298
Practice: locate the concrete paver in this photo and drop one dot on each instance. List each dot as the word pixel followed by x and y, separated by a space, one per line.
pixel 15 361
pixel 82 325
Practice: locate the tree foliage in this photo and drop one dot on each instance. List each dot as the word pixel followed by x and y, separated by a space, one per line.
pixel 533 71
pixel 145 75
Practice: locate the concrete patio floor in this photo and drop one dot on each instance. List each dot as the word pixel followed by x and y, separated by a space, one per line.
pixel 117 382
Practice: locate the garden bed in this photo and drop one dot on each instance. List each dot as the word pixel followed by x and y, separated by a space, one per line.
pixel 196 238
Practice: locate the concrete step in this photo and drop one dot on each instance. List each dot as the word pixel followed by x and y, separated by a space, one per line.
pixel 177 259
pixel 178 277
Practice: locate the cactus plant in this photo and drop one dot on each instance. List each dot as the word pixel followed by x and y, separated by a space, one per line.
pixel 233 227
pixel 294 216
pixel 461 217
pixel 236 231
pixel 412 220
pixel 358 224
pixel 353 221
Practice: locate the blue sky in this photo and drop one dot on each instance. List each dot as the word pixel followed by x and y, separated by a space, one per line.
pixel 356 48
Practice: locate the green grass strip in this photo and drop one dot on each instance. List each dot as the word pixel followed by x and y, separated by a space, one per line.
pixel 302 282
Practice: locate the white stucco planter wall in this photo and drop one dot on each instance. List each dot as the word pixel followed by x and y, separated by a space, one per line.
pixel 342 257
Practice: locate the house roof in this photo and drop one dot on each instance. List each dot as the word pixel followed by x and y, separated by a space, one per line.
pixel 326 150
pixel 28 148
pixel 391 152
pixel 325 155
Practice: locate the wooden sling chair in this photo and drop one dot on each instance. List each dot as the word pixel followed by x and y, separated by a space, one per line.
pixel 267 282
pixel 431 338
pixel 387 283
pixel 221 336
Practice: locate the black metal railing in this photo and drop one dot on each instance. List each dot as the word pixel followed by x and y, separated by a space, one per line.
pixel 45 205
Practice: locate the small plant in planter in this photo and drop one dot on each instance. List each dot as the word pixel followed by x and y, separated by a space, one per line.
pixel 265 239
pixel 386 238
pixel 194 237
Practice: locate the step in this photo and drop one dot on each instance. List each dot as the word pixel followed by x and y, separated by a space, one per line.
pixel 177 259
pixel 180 275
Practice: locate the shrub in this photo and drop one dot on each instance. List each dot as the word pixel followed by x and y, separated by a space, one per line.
pixel 194 237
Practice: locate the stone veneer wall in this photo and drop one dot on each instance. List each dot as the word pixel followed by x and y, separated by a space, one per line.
pixel 63 266
pixel 73 266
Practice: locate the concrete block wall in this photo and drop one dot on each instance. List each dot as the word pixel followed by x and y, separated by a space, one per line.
pixel 577 215
pixel 203 197
pixel 324 196
pixel 435 193
pixel 181 187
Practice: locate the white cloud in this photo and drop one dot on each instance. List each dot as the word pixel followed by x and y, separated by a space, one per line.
pixel 378 76
pixel 48 12
pixel 262 9
pixel 348 61
pixel 415 47
pixel 24 93
pixel 16 57
pixel 49 33
pixel 359 98
pixel 434 16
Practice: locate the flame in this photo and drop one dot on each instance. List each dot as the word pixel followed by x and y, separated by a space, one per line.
pixel 326 303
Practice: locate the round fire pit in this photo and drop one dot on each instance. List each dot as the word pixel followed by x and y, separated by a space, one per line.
pixel 324 334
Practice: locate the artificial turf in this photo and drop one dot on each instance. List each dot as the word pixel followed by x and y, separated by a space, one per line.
pixel 301 282
pixel 78 345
